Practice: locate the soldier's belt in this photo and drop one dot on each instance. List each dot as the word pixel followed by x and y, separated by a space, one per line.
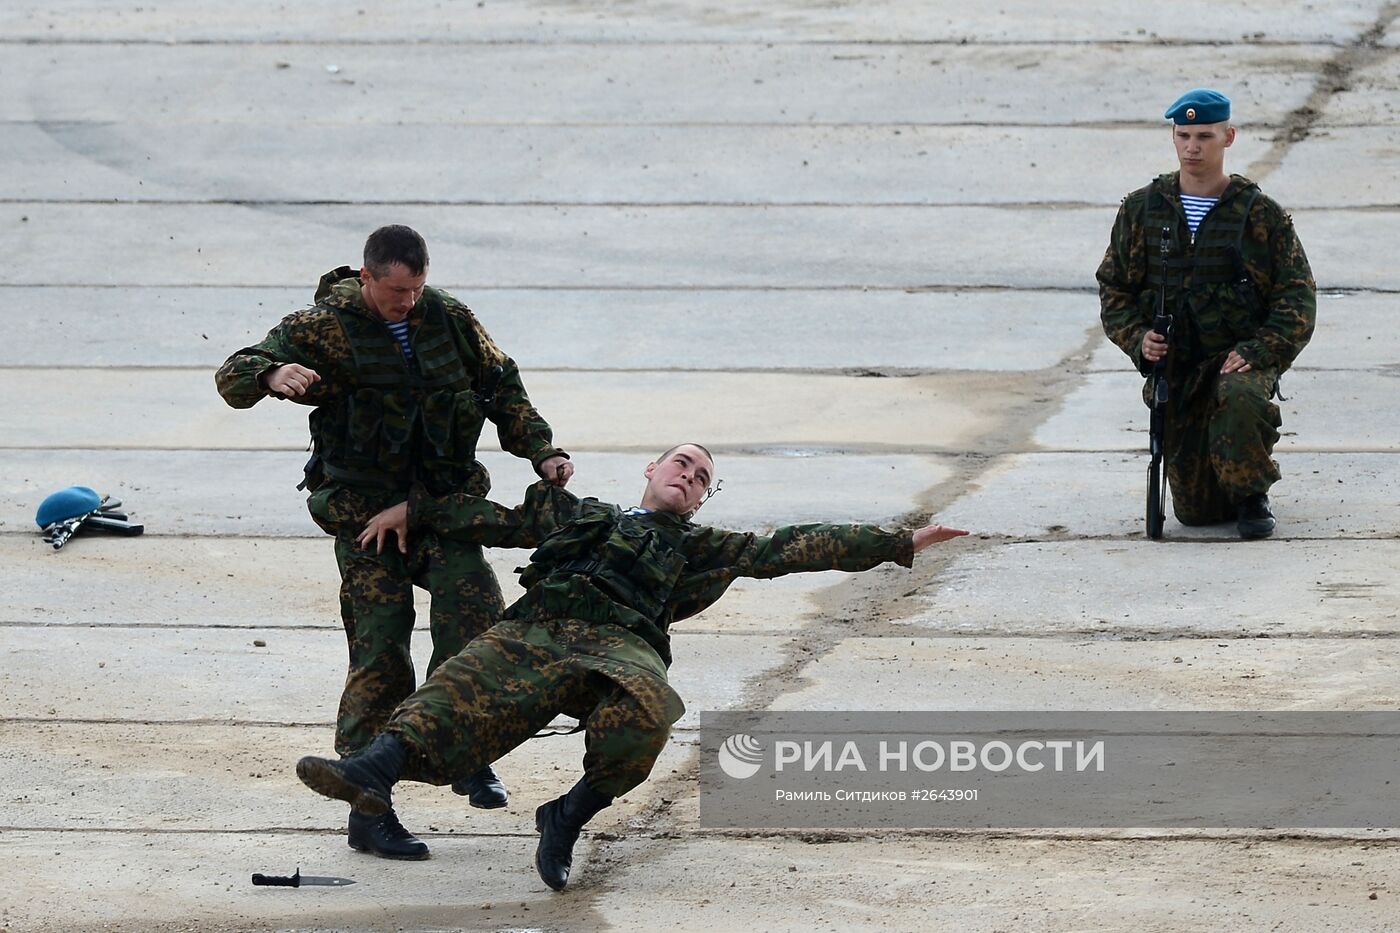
pixel 584 567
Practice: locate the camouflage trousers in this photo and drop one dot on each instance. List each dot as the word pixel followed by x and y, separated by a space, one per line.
pixel 376 609
pixel 515 679
pixel 1219 448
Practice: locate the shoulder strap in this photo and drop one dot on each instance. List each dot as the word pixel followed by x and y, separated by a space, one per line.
pixel 1244 221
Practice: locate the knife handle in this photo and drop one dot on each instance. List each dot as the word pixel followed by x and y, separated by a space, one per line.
pixel 278 881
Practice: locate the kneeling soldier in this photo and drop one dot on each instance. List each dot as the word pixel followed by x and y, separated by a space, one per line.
pixel 1243 304
pixel 588 639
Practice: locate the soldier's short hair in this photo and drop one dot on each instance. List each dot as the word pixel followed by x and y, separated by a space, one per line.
pixel 395 243
pixel 700 447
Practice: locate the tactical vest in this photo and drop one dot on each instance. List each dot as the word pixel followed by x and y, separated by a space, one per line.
pixel 634 560
pixel 405 421
pixel 1213 300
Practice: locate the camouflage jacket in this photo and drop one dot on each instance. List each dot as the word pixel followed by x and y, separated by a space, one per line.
pixel 637 569
pixel 1267 317
pixel 350 398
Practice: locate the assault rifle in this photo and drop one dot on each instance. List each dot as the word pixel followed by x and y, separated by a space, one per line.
pixel 1156 425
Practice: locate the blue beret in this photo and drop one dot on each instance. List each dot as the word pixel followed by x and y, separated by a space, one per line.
pixel 1201 105
pixel 65 504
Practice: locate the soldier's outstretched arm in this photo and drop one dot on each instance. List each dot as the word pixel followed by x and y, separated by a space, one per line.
pixel 716 558
pixel 814 547
pixel 466 517
pixel 473 518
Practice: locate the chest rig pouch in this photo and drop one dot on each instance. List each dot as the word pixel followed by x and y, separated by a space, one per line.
pixel 1215 303
pixel 405 420
pixel 633 559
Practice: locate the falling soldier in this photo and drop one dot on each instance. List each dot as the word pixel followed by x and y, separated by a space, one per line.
pixel 589 639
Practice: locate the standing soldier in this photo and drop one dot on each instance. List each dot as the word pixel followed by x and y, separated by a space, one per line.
pixel 1243 302
pixel 401 378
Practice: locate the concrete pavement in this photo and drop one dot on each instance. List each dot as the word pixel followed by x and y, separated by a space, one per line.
pixel 726 222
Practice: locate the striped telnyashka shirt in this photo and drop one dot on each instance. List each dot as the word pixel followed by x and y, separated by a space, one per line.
pixel 1196 210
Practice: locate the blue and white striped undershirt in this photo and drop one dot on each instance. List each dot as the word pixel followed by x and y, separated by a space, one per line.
pixel 1196 210
pixel 400 330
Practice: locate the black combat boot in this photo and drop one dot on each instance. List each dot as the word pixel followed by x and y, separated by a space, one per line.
pixel 483 790
pixel 1255 519
pixel 364 780
pixel 559 823
pixel 385 837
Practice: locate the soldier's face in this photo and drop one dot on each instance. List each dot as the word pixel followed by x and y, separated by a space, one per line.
pixel 1200 149
pixel 392 295
pixel 677 482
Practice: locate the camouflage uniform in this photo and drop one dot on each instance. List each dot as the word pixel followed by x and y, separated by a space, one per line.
pixel 379 424
pixel 590 636
pixel 1242 284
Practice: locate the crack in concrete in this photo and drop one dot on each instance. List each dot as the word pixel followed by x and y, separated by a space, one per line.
pixel 867 595
pixel 1335 77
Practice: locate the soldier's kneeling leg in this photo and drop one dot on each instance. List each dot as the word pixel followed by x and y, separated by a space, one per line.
pixel 1243 429
pixel 1197 498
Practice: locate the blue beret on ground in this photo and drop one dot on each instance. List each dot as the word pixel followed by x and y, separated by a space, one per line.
pixel 1201 105
pixel 65 504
